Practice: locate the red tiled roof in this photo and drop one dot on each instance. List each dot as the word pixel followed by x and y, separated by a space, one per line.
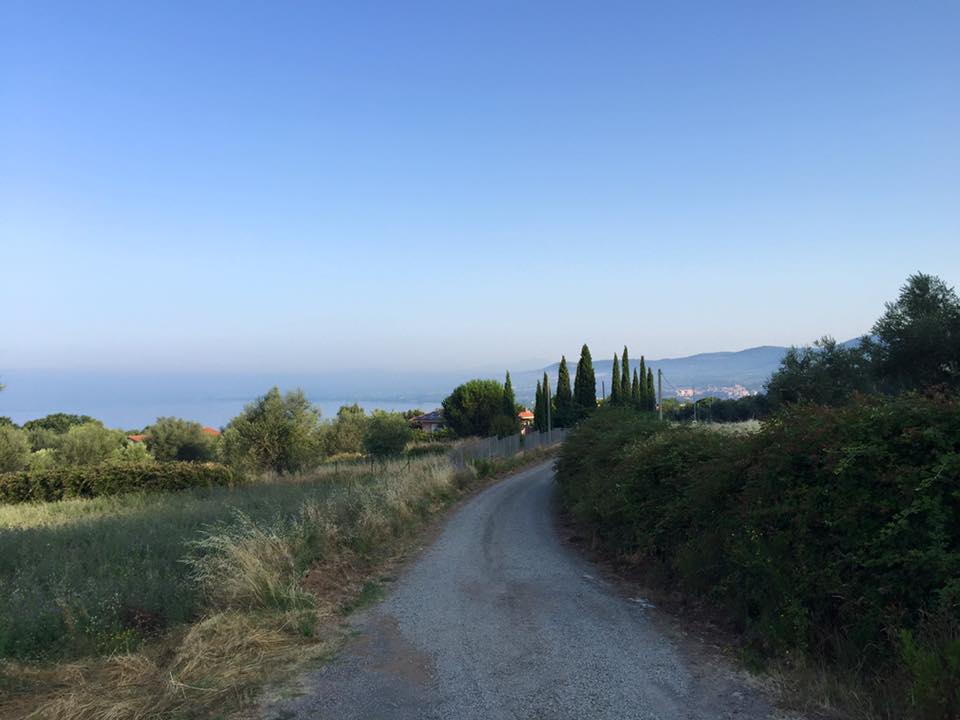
pixel 136 438
pixel 211 431
pixel 525 415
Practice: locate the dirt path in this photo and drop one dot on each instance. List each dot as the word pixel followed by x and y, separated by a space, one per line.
pixel 499 619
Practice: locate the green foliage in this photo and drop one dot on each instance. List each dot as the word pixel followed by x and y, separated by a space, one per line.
pixel 344 435
pixel 585 384
pixel 387 434
pixel 566 409
pixel 635 395
pixel 275 432
pixel 6 421
pixel 650 396
pixel 916 342
pixel 615 390
pixel 14 449
pixel 625 396
pixel 472 407
pixel 131 452
pixel 539 409
pixel 170 439
pixel 58 422
pixel 43 459
pixel 642 398
pixel 508 423
pixel 42 438
pixel 88 444
pixel 827 532
pixel 112 478
pixel 827 374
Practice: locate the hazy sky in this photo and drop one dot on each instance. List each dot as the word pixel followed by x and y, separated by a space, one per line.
pixel 290 186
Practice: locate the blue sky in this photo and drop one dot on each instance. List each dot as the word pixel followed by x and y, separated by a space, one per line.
pixel 291 187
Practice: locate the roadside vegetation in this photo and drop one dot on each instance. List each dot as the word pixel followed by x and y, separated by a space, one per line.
pixel 171 572
pixel 830 536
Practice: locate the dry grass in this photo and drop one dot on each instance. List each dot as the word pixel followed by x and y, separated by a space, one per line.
pixel 274 591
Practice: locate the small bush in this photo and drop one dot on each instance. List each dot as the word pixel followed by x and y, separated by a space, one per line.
pixel 109 479
pixel 14 449
pixel 386 435
pixel 172 439
pixel 89 444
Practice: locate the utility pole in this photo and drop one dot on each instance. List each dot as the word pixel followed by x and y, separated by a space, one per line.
pixel 660 392
pixel 603 390
pixel 694 404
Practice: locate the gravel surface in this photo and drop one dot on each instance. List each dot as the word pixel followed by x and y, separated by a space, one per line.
pixel 499 619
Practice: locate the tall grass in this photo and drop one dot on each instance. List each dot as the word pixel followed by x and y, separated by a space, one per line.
pixel 234 586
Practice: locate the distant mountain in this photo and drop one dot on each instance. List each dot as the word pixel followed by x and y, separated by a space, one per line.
pixel 717 374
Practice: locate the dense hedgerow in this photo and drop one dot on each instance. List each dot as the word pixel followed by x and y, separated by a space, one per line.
pixel 833 531
pixel 87 481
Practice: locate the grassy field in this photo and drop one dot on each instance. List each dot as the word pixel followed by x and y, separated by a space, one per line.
pixel 178 605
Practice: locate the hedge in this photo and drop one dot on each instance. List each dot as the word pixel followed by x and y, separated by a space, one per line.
pixel 109 479
pixel 834 532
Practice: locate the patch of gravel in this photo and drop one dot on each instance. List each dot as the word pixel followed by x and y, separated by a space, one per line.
pixel 500 619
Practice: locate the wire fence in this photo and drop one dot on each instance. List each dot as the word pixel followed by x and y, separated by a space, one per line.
pixel 497 447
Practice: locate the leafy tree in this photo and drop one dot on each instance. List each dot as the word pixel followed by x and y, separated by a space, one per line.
pixel 412 413
pixel 585 384
pixel 510 423
pixel 131 452
pixel 58 422
pixel 274 432
pixel 344 435
pixel 825 374
pixel 651 394
pixel 635 391
pixel 566 410
pixel 14 449
pixel 642 402
pixel 171 438
pixel 916 342
pixel 625 390
pixel 89 444
pixel 6 421
pixel 387 434
pixel 473 406
pixel 615 382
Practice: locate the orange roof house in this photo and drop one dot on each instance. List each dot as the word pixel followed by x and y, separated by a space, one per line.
pixel 525 417
pixel 213 432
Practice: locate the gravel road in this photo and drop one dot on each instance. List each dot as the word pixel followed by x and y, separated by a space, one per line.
pixel 500 619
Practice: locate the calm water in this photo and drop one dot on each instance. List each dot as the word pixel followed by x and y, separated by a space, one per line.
pixel 131 402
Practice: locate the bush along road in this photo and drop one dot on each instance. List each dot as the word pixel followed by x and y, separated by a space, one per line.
pixel 500 619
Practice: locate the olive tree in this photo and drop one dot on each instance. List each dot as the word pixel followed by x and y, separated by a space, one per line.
pixel 171 438
pixel 89 444
pixel 274 432
pixel 14 449
pixel 386 435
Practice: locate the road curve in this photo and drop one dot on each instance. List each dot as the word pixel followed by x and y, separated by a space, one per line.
pixel 499 619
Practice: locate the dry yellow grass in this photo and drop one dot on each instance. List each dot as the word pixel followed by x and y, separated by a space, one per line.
pixel 262 621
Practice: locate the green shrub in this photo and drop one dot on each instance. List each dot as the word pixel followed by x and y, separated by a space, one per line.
pixel 14 448
pixel 170 439
pixel 275 432
pixel 830 531
pixel 88 444
pixel 386 434
pixel 109 479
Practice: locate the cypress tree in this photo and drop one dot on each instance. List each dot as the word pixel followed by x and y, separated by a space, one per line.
pixel 510 404
pixel 625 378
pixel 615 381
pixel 565 407
pixel 538 412
pixel 651 393
pixel 585 384
pixel 635 391
pixel 549 409
pixel 642 400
